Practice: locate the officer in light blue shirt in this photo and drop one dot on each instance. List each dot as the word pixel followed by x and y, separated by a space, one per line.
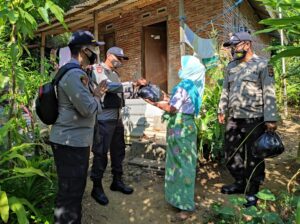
pixel 72 134
pixel 109 131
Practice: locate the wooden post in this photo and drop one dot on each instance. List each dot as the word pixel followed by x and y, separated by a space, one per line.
pixel 96 34
pixel 43 43
pixel 283 72
pixel 181 18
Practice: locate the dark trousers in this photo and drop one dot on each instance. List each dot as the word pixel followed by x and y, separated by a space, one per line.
pixel 72 165
pixel 243 164
pixel 109 135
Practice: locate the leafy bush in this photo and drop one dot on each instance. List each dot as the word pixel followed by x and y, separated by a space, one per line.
pixel 210 132
pixel 291 50
pixel 293 82
pixel 27 185
pixel 26 170
pixel 270 210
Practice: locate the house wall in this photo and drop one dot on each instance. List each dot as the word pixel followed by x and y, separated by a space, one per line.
pixel 128 30
pixel 245 16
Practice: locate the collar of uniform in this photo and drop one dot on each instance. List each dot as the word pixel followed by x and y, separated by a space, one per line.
pixel 254 57
pixel 105 66
pixel 74 61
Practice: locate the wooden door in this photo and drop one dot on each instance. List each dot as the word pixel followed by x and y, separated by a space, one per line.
pixel 110 41
pixel 155 55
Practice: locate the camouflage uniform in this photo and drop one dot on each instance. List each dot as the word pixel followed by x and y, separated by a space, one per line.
pixel 248 99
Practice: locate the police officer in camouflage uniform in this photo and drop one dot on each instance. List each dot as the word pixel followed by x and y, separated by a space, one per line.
pixel 249 104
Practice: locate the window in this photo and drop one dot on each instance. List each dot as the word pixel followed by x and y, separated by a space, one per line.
pixel 146 15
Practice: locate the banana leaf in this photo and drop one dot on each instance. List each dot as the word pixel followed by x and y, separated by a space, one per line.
pixel 283 21
pixel 293 52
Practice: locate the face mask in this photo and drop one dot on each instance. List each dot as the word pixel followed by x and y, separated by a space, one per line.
pixel 92 57
pixel 116 63
pixel 238 55
pixel 232 52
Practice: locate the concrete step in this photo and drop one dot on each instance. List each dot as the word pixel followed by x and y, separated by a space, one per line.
pixel 148 163
pixel 141 118
pixel 148 150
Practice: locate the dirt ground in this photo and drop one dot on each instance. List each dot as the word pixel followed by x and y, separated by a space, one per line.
pixel 147 205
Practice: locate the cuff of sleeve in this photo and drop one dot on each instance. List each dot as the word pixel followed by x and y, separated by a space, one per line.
pixel 271 116
pixel 270 119
pixel 99 105
pixel 220 111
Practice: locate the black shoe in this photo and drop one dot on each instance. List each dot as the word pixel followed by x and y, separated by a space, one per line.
pixel 98 194
pixel 235 188
pixel 118 185
pixel 251 201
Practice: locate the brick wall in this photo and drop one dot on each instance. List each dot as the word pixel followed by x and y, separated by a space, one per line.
pixel 128 30
pixel 245 16
pixel 128 35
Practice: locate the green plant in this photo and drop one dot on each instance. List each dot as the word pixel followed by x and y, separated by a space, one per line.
pixel 16 205
pixel 271 209
pixel 18 21
pixel 26 178
pixel 292 82
pixel 290 10
pixel 298 212
pixel 27 185
pixel 210 132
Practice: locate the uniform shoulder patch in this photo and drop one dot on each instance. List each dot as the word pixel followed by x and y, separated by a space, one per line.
pixel 99 69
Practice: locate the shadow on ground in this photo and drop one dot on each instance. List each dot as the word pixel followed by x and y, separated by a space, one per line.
pixel 147 204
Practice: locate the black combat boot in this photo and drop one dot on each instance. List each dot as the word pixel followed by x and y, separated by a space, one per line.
pixel 238 187
pixel 251 201
pixel 250 196
pixel 118 185
pixel 98 193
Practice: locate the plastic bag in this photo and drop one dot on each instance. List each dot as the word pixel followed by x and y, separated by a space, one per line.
pixel 151 92
pixel 268 145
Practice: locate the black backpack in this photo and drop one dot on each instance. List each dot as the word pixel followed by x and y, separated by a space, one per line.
pixel 46 104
